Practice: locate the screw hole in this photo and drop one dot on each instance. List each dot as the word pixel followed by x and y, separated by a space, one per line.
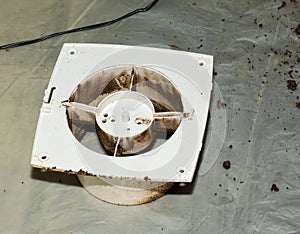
pixel 202 63
pixel 43 157
pixel 72 52
pixel 181 170
pixel 138 122
pixel 103 120
pixel 105 115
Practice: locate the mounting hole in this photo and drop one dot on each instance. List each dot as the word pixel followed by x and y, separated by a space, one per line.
pixel 43 157
pixel 72 52
pixel 105 115
pixel 202 63
pixel 181 170
pixel 104 121
pixel 128 129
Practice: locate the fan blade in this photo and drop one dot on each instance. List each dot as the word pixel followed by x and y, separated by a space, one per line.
pixel 80 106
pixel 170 120
pixel 169 115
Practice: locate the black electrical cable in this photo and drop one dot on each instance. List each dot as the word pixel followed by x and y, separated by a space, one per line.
pixel 84 28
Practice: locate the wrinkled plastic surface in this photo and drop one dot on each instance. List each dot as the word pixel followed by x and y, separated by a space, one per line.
pixel 255 50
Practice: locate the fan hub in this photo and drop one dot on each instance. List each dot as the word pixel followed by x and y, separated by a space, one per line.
pixel 125 114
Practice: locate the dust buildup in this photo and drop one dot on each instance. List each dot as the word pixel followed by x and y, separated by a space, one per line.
pixel 162 93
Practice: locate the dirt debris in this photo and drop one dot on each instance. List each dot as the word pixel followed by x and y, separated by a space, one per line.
pixel 226 164
pixel 274 188
pixel 291 85
pixel 221 104
pixel 297 30
pixel 283 4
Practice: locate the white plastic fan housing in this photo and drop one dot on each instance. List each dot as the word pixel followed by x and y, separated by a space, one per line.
pixel 122 117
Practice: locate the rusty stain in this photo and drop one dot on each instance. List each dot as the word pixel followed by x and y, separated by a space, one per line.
pixel 80 172
pixel 156 193
pixel 86 173
pixel 143 120
pixel 175 47
pixel 221 104
pixel 127 145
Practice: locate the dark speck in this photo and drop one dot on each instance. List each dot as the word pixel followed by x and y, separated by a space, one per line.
pixel 226 164
pixel 199 46
pixel 230 146
pixel 291 85
pixel 287 53
pixel 283 4
pixel 297 30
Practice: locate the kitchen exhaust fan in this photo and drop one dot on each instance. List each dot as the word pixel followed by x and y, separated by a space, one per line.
pixel 128 120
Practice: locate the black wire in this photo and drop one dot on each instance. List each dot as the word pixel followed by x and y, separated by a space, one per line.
pixel 84 28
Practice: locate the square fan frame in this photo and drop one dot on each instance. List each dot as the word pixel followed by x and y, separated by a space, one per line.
pixel 55 147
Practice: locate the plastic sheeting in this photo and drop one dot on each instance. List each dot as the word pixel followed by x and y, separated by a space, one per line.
pixel 256 53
